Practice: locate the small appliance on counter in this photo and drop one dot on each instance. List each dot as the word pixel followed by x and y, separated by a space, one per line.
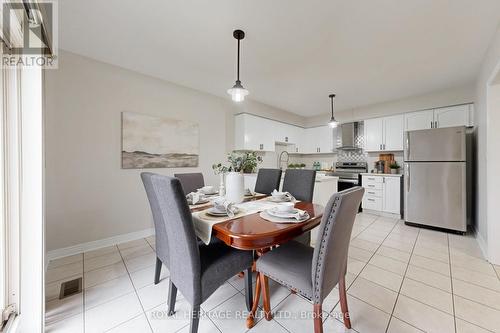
pixel 382 165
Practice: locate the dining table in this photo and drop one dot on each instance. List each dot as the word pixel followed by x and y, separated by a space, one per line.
pixel 254 233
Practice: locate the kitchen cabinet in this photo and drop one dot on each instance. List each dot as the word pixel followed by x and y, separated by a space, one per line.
pixel 419 120
pixel 450 116
pixel 382 193
pixel 459 115
pixel 384 134
pixel 318 140
pixel 392 195
pixel 253 133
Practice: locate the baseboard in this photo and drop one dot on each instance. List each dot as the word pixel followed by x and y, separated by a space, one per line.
pixel 94 245
pixel 383 214
pixel 482 243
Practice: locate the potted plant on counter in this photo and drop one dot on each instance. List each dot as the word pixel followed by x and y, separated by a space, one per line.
pixel 394 166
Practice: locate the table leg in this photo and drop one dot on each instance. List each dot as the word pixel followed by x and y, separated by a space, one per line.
pixel 264 281
pixel 251 315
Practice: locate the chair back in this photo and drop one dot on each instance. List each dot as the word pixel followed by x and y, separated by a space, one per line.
pixel 161 238
pixel 190 181
pixel 268 180
pixel 332 245
pixel 300 184
pixel 176 223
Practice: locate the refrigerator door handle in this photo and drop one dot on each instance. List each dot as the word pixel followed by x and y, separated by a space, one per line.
pixel 407 177
pixel 407 151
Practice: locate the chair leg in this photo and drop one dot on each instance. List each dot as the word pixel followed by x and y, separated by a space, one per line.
pixel 264 281
pixel 248 289
pixel 343 303
pixel 158 270
pixel 318 318
pixel 172 295
pixel 195 319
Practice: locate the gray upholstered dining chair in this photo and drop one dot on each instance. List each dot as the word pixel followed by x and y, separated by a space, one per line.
pixel 190 181
pixel 313 273
pixel 300 184
pixel 268 180
pixel 197 271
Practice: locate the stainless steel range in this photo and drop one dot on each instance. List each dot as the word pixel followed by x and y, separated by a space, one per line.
pixel 349 173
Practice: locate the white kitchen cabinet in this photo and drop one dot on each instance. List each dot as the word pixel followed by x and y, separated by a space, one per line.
pixel 450 116
pixel 419 120
pixel 392 195
pixel 384 134
pixel 382 193
pixel 374 134
pixel 393 133
pixel 253 133
pixel 318 140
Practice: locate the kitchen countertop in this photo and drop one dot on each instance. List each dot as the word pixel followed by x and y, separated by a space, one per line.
pixel 319 178
pixel 382 174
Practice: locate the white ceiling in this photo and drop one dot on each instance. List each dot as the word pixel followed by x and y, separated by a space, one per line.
pixel 295 52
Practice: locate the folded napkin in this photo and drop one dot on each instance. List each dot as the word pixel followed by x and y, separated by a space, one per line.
pixel 299 215
pixel 288 196
pixel 222 205
pixel 194 197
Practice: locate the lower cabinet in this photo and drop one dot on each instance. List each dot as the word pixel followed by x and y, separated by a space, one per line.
pixel 382 193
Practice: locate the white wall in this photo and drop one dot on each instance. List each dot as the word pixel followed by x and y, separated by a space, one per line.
pixel 487 127
pixel 88 196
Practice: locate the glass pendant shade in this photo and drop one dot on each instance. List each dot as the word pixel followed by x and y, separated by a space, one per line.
pixel 237 92
pixel 333 123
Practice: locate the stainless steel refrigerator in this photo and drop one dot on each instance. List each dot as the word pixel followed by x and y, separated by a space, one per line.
pixel 436 177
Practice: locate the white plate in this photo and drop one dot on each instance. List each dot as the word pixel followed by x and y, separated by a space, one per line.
pixel 286 215
pixel 215 212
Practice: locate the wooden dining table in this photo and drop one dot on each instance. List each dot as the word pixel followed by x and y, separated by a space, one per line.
pixel 253 233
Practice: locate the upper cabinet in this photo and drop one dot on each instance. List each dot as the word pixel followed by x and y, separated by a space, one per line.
pixel 253 133
pixel 318 140
pixel 419 120
pixel 459 115
pixel 384 134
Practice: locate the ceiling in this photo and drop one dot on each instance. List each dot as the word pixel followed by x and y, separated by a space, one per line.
pixel 295 52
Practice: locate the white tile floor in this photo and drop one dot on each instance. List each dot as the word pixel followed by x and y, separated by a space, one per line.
pixel 400 278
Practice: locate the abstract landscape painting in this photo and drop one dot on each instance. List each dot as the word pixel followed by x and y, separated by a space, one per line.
pixel 154 142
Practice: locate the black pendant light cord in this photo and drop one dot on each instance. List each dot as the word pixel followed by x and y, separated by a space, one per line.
pixel 332 96
pixel 238 65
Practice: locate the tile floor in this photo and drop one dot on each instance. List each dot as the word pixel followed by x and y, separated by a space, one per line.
pixel 400 278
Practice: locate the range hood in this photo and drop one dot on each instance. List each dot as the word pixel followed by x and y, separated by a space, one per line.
pixel 348 136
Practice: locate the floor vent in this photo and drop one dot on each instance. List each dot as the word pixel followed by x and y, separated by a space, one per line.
pixel 70 288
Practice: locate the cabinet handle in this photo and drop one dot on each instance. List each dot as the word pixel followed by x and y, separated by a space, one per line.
pixel 373 200
pixel 432 124
pixel 286 139
pixel 319 150
pixel 261 146
pixel 371 192
pixel 371 178
pixel 436 124
pixel 384 146
pixel 380 146
pixel 370 185
pixel 296 150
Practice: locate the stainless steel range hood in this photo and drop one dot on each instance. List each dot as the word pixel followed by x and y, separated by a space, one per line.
pixel 348 136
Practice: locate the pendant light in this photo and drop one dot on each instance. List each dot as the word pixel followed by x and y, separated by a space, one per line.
pixel 237 92
pixel 332 123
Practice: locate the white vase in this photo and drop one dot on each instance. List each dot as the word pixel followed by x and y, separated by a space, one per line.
pixel 235 187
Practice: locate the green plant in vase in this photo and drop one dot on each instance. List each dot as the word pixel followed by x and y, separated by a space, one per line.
pixel 394 166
